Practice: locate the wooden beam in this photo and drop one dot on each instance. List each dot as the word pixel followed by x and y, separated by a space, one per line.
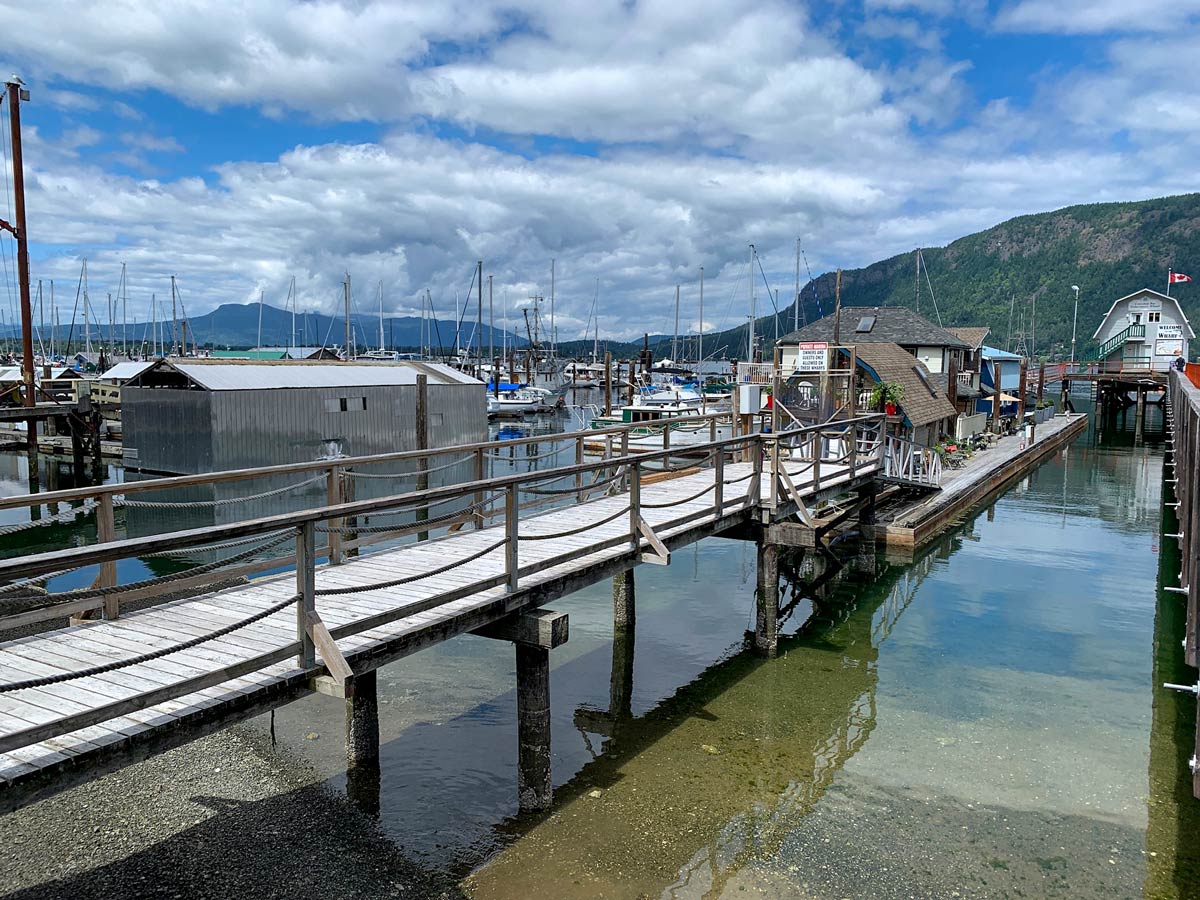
pixel 791 534
pixel 661 555
pixel 543 628
pixel 331 654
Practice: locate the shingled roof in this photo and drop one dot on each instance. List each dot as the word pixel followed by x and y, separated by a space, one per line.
pixel 972 334
pixel 892 325
pixel 922 404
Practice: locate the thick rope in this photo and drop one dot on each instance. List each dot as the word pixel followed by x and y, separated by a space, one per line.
pixel 401 526
pixel 359 589
pixel 554 492
pixel 516 459
pixel 147 657
pixel 413 474
pixel 696 496
pixel 208 504
pixel 80 593
pixel 574 531
pixel 62 518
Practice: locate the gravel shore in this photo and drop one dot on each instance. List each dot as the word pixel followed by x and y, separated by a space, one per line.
pixel 224 816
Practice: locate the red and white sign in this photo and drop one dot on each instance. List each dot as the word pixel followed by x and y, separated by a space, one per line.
pixel 1178 278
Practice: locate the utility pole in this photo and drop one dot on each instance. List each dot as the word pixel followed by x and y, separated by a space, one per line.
pixel 1074 320
pixel 16 94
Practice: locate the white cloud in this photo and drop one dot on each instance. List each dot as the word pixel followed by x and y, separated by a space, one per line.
pixel 1096 16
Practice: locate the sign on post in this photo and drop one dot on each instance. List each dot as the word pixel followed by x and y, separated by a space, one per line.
pixel 813 356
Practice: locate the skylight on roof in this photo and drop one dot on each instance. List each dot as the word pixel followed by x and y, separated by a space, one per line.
pixel 865 324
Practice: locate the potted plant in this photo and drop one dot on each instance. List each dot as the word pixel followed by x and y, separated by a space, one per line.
pixel 887 394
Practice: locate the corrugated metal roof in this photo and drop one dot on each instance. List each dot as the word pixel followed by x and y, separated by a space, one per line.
pixel 250 376
pixel 123 371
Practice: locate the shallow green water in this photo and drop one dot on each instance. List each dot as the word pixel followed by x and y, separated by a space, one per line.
pixel 983 721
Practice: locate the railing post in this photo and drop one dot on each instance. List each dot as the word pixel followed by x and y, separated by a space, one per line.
pixel 106 531
pixel 579 475
pixel 774 471
pixel 511 521
pixel 712 428
pixel 818 452
pixel 719 489
pixel 477 518
pixel 754 493
pixel 306 586
pixel 624 454
pixel 635 504
pixel 334 497
pixel 853 449
pixel 666 436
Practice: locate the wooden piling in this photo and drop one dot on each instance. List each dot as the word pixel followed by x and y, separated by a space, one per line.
pixel 535 788
pixel 766 600
pixel 624 602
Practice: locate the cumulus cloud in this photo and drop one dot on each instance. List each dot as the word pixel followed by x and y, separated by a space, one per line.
pixel 631 142
pixel 1097 16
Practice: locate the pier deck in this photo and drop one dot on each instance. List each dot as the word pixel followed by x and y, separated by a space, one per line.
pixel 59 734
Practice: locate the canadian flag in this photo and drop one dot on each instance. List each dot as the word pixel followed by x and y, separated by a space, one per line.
pixel 1178 277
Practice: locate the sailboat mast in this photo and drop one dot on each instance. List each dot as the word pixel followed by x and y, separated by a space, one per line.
pixel 381 341
pixel 174 317
pixel 479 310
pixel 491 326
pixel 796 309
pixel 750 329
pixel 87 322
pixel 675 339
pixel 553 330
pixel 346 297
pixel 292 297
pixel 262 298
pixel 700 337
pixel 124 313
pixel 153 326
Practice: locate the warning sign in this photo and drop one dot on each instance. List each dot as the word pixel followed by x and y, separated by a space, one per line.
pixel 813 357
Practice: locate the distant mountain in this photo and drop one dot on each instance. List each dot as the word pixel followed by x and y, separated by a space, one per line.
pixel 1026 265
pixel 235 326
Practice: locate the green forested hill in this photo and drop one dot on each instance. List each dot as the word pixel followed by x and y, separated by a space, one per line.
pixel 1108 249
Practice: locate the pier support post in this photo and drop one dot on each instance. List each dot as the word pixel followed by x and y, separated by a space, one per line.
pixel 534 635
pixel 865 561
pixel 624 602
pixel 766 600
pixel 362 744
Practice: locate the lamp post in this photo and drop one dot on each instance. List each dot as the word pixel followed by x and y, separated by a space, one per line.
pixel 1075 320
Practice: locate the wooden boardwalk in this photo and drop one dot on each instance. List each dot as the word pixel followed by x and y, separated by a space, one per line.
pixel 59 734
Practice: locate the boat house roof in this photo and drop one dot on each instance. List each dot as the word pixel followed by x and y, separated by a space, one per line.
pixel 924 401
pixel 879 324
pixel 231 375
pixel 1147 292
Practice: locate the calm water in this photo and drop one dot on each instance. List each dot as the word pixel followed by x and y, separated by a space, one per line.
pixel 982 721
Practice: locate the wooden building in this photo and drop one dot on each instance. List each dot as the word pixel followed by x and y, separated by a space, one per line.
pixel 1143 331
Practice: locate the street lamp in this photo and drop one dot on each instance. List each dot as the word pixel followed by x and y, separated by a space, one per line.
pixel 1074 321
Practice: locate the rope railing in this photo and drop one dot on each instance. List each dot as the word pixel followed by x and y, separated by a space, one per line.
pixel 409 579
pixel 63 518
pixel 208 504
pixel 47 680
pixel 413 474
pixel 109 590
pixel 696 496
pixel 574 531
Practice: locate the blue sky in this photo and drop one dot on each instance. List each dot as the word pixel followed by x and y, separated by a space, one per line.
pixel 237 144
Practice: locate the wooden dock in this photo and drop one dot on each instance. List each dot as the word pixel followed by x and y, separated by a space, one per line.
pixel 78 701
pixel 1181 495
pixel 987 472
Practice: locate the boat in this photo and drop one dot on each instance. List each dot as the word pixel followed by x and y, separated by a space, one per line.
pixel 516 402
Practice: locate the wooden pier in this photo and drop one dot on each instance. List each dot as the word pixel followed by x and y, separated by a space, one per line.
pixel 1182 494
pixel 76 702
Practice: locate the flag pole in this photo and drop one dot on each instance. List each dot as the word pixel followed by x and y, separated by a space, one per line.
pixel 1169 271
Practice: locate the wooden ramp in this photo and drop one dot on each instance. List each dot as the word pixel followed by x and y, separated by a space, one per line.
pixel 369 610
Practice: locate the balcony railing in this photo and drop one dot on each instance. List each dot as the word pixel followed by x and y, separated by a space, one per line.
pixel 1133 332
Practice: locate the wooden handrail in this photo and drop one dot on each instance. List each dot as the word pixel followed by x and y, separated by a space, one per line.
pixel 40 563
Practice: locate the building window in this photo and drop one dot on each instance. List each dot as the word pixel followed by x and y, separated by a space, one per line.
pixel 1153 316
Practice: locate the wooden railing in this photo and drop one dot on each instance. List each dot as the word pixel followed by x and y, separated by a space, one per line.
pixel 452 507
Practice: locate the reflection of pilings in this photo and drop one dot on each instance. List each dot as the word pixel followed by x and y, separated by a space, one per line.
pixel 865 560
pixel 717 772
